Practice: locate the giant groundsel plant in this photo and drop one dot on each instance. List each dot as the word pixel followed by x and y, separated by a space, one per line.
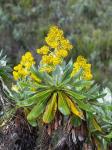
pixel 59 92
pixel 55 89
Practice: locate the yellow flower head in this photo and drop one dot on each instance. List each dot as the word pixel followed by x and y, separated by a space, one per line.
pixel 43 50
pixel 54 37
pixel 47 59
pixel 23 69
pixel 61 53
pixel 15 75
pixel 27 60
pixel 81 62
pixel 65 44
pixel 56 50
pixel 56 60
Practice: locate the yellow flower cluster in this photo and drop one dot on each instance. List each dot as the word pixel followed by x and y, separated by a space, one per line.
pixel 82 63
pixel 56 49
pixel 23 69
pixel 43 50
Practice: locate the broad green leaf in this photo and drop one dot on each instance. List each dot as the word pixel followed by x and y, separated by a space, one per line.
pixel 94 89
pixel 82 83
pixel 100 95
pixel 94 96
pixel 41 86
pixel 34 99
pixel 74 108
pixel 83 105
pixel 68 69
pixel 109 136
pixel 76 95
pixel 62 105
pixel 69 64
pixel 96 125
pixel 76 76
pixel 70 80
pixel 35 77
pixel 65 82
pixel 48 79
pixel 38 109
pixel 57 75
pixel 35 71
pixel 33 122
pixel 109 107
pixel 51 108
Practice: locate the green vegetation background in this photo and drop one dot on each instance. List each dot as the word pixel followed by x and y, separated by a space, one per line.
pixel 87 23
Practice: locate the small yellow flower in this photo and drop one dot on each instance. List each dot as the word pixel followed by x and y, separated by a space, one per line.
pixel 61 53
pixel 43 50
pixel 54 36
pixel 47 59
pixel 56 60
pixel 81 58
pixel 23 69
pixel 27 58
pixel 15 75
pixel 65 44
pixel 56 50
pixel 81 62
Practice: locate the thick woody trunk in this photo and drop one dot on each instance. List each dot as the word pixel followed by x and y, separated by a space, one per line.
pixel 18 134
pixel 110 146
pixel 74 138
pixel 45 139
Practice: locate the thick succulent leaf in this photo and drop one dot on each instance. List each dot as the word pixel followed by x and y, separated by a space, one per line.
pixel 83 105
pixel 76 95
pixel 48 78
pixel 73 107
pixel 62 104
pixel 69 64
pixel 95 96
pixel 34 99
pixel 100 95
pixel 93 90
pixel 81 84
pixel 35 78
pixel 68 70
pixel 35 71
pixel 96 125
pixel 38 109
pixel 109 136
pixel 57 75
pixel 41 86
pixel 51 108
pixel 65 82
pixel 66 78
pixel 63 65
pixel 76 76
pixel 109 107
pixel 33 123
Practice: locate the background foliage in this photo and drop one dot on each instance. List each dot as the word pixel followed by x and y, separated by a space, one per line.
pixel 87 23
